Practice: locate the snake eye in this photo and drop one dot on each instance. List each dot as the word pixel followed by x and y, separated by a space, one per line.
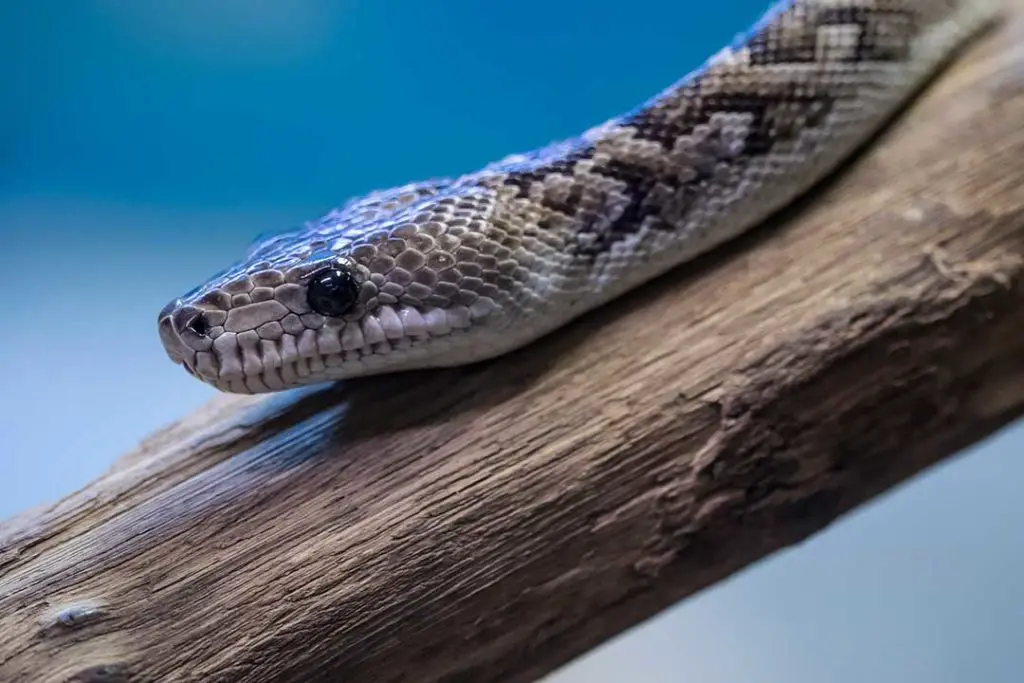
pixel 332 291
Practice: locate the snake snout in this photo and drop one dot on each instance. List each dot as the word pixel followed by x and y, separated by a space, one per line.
pixel 167 310
pixel 172 343
pixel 183 331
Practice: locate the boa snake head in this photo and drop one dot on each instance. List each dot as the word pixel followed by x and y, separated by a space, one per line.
pixel 424 275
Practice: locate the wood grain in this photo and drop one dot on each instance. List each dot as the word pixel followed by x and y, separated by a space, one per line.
pixel 490 523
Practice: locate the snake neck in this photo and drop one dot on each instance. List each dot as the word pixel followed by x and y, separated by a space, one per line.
pixel 726 145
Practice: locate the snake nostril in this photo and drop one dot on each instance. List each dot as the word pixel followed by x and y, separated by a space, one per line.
pixel 190 322
pixel 198 325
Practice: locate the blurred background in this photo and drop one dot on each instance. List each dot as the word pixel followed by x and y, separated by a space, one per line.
pixel 144 143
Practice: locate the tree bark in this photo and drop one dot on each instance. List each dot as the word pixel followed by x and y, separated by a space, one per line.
pixel 490 523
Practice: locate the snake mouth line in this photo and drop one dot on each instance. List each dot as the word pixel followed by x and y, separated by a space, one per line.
pixel 278 373
pixel 265 355
pixel 293 360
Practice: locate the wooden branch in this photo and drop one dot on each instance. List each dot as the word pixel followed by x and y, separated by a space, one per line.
pixel 490 523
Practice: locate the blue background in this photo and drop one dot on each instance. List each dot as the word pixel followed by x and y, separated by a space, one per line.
pixel 144 143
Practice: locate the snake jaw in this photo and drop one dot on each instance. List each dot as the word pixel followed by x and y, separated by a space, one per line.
pixel 278 342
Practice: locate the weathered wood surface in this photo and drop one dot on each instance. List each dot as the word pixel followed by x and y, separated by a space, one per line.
pixel 490 523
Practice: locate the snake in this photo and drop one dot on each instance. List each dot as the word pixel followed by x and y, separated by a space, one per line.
pixel 453 271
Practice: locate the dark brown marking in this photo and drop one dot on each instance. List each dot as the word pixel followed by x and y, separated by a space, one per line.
pixel 775 115
pixel 773 119
pixel 793 37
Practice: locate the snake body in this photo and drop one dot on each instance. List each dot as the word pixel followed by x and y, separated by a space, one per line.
pixel 453 271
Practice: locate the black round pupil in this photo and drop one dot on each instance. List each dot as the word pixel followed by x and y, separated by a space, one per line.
pixel 332 292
